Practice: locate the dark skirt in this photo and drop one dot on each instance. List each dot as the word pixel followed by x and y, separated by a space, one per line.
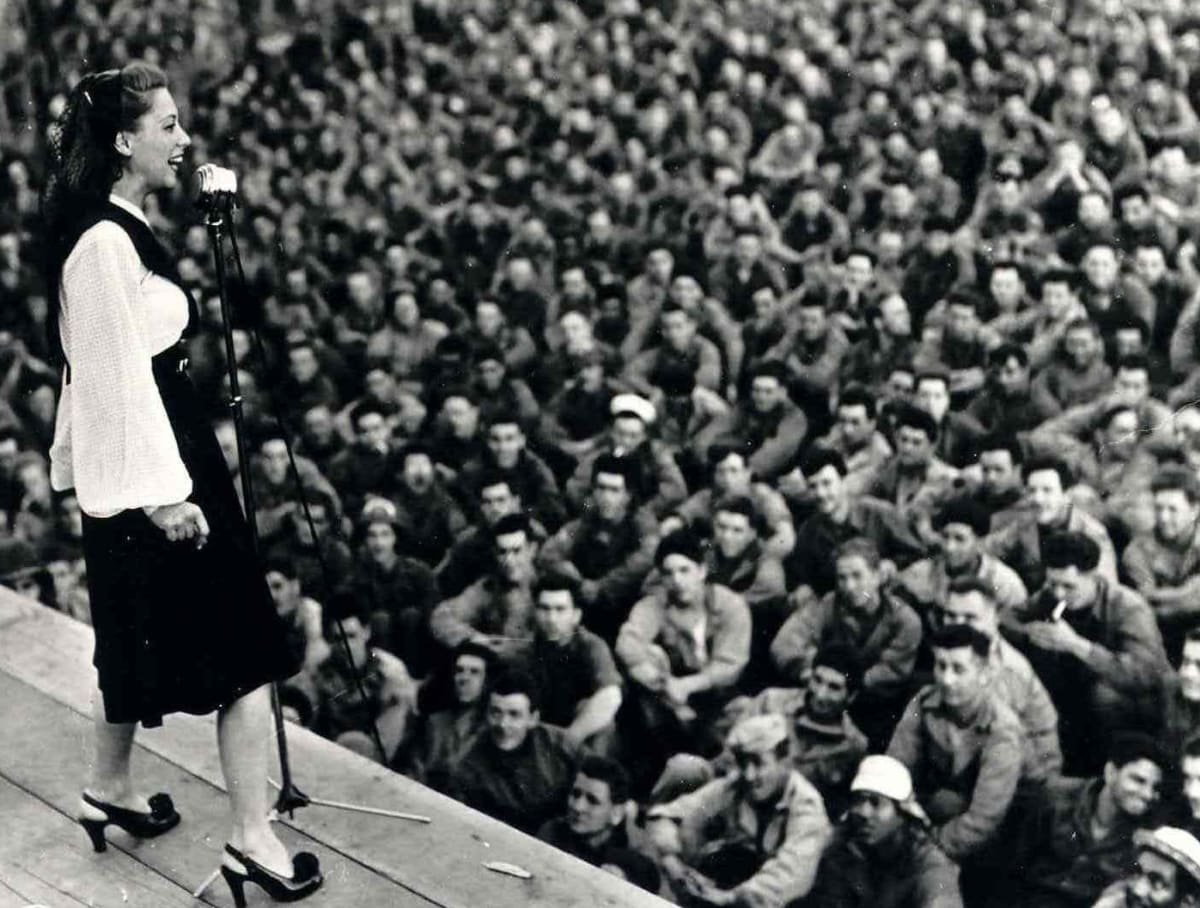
pixel 181 629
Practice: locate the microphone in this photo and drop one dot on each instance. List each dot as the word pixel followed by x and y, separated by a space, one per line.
pixel 213 187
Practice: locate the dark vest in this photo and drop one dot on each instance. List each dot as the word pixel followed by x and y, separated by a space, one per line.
pixel 154 255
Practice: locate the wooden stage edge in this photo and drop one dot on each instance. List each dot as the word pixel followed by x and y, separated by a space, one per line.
pixel 46 682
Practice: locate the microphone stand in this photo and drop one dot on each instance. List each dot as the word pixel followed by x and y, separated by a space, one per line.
pixel 291 798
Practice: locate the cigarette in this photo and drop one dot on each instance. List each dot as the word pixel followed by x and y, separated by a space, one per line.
pixel 1059 610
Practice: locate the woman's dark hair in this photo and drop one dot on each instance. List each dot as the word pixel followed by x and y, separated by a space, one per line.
pixel 83 163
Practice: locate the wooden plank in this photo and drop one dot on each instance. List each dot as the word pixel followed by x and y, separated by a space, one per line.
pixel 11 897
pixel 442 861
pixel 45 858
pixel 187 854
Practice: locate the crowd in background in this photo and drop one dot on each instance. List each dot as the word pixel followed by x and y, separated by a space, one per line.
pixel 751 445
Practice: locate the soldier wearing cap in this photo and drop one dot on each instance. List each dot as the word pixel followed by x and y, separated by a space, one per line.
pixel 1166 873
pixel 629 436
pixel 751 839
pixel 882 855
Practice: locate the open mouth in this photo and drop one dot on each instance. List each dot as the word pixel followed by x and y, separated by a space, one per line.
pixel 175 162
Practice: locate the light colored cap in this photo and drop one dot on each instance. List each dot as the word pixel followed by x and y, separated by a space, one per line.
pixel 758 734
pixel 883 775
pixel 635 404
pixel 887 776
pixel 1175 844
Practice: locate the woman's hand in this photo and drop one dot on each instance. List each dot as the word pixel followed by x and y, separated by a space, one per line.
pixel 181 521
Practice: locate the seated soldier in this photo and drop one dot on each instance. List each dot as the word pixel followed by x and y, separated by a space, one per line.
pixel 682 343
pixel 962 744
pixel 856 436
pixel 1018 542
pixel 277 492
pixel 1181 697
pixel 961 525
pixel 497 610
pixel 1114 471
pixel 999 489
pixel 1163 565
pixel 1095 646
pixel 1078 374
pixel 577 684
pixel 302 615
pixel 323 560
pixel 826 745
pixel 473 553
pixel 609 550
pixel 398 592
pixel 731 475
pixel 972 602
pixel 629 436
pixel 957 345
pixel 684 409
pixel 599 813
pixel 351 699
pixel 528 475
pixel 365 468
pixel 684 647
pixel 863 615
pixel 768 425
pixel 1166 872
pixel 955 433
pixel 751 838
pixel 1078 837
pixel 839 516
pixel 427 515
pixel 914 479
pixel 1006 404
pixel 881 853
pixel 439 740
pixel 519 770
pixel 1131 388
pixel 736 560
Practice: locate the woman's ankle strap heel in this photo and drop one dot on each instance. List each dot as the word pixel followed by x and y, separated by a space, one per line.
pixel 237 885
pixel 306 877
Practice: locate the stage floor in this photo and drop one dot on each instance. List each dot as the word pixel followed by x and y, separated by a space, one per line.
pixel 46 860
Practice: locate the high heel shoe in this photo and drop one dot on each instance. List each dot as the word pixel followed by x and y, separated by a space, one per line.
pixel 162 818
pixel 305 880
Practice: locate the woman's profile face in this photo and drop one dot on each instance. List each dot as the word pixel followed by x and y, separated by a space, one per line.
pixel 154 150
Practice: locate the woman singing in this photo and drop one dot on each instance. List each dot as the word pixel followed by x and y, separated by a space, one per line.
pixel 183 617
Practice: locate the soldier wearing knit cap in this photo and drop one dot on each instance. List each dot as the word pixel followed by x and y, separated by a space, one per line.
pixel 684 647
pixel 752 838
pixel 881 853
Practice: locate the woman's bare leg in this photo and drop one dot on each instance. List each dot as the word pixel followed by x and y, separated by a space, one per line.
pixel 244 733
pixel 110 779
